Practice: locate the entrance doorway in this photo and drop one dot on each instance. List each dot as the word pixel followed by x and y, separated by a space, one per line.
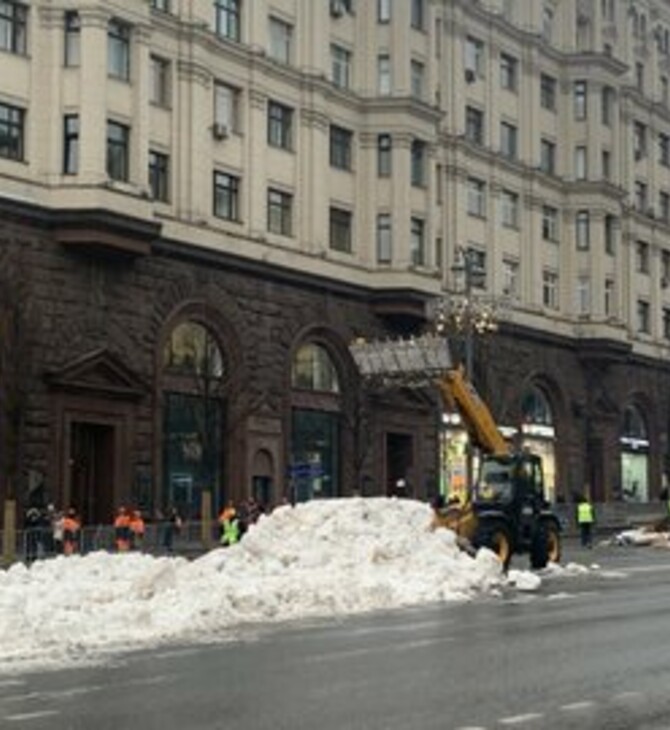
pixel 92 471
pixel 399 463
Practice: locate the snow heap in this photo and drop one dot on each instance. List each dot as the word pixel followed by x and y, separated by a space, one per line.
pixel 322 558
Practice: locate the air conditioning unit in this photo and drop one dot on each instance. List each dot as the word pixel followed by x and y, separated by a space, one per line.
pixel 470 76
pixel 220 131
pixel 337 8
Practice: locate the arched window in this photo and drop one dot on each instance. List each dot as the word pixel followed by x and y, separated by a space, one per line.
pixel 535 408
pixel 634 426
pixel 315 424
pixel 192 351
pixel 313 369
pixel 192 395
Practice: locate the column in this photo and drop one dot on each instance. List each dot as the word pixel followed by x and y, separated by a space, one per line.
pixel 256 184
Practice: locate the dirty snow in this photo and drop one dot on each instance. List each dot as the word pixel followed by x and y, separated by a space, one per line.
pixel 319 559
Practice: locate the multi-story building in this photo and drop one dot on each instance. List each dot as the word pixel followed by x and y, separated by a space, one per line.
pixel 204 201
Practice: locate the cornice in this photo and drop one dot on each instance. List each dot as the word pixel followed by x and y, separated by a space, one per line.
pixel 194 71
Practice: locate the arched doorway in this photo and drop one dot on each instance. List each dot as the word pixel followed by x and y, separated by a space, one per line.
pixel 538 434
pixel 634 442
pixel 192 398
pixel 314 458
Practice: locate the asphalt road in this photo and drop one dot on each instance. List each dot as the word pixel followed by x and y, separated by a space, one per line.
pixel 584 652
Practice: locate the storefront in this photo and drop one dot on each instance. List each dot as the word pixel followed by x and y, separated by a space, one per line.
pixel 539 436
pixel 634 457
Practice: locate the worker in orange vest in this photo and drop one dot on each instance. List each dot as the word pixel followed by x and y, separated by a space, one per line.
pixel 71 532
pixel 122 530
pixel 136 525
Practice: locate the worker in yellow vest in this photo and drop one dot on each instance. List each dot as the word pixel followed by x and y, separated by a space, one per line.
pixel 586 517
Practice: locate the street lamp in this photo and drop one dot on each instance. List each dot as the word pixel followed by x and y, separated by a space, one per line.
pixel 468 312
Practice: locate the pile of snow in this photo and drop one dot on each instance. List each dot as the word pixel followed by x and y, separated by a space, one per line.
pixel 322 558
pixel 642 536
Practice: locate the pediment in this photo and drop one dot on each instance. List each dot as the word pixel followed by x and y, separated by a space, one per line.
pixel 99 372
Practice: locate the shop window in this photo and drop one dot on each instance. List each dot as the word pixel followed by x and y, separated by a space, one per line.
pixel 634 456
pixel 314 370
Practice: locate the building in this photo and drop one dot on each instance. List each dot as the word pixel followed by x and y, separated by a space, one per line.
pixel 204 201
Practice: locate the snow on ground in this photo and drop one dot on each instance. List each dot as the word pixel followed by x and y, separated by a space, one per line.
pixel 319 559
pixel 642 536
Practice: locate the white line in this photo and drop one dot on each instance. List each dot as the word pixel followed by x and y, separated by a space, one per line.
pixel 520 719
pixel 12 683
pixel 627 696
pixel 473 727
pixel 31 715
pixel 574 706
pixel 176 653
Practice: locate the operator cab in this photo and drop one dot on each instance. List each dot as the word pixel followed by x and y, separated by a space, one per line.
pixel 507 479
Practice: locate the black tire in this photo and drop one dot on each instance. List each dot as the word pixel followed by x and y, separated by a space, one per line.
pixel 497 537
pixel 539 548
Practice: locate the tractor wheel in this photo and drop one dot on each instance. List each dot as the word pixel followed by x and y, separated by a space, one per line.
pixel 496 537
pixel 553 543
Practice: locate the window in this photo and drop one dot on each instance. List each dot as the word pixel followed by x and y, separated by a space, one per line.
pixel 579 100
pixel 665 91
pixel 642 257
pixel 610 293
pixel 476 197
pixel 582 230
pixel 280 125
pixel 227 18
pixel 70 144
pixel 417 73
pixel 226 196
pixel 639 76
pixel 508 140
pixel 511 277
pixel 547 156
pixel 643 318
pixel 665 268
pixel 163 5
pixel 313 369
pixel 159 92
pixel 281 34
pixel 549 223
pixel 664 149
pixel 550 289
pixel 606 164
pixel 439 187
pixel 383 11
pixel 12 132
pixel 417 244
pixel 384 239
pixel 280 212
pixel 159 176
pixel 583 295
pixel 610 234
pixel 508 72
pixel 508 10
pixel 477 259
pixel 340 230
pixel 666 323
pixel 547 24
pixel 548 92
pixel 606 105
pixel 341 65
pixel 474 125
pixel 417 14
pixel 118 50
pixel 418 155
pixel 639 140
pixel 580 163
pixel 384 155
pixel 664 206
pixel 340 148
pixel 384 74
pixel 118 144
pixel 509 209
pixel 13 22
pixel 72 39
pixel 226 106
pixel 474 56
pixel 607 10
pixel 640 196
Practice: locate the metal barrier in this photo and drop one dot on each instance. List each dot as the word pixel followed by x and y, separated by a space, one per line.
pixel 160 538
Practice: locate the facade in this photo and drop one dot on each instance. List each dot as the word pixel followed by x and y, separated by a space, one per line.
pixel 204 201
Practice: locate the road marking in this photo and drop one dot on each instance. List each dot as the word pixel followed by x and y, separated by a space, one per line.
pixel 645 569
pixel 363 651
pixel 12 683
pixel 471 727
pixel 576 706
pixel 628 696
pixel 31 716
pixel 176 653
pixel 521 719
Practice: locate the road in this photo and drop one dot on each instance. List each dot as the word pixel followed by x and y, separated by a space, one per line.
pixel 588 652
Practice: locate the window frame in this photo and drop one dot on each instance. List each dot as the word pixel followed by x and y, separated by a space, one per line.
pixel 384 238
pixel 14 122
pixel 227 19
pixel 340 229
pixel 159 176
pixel 280 125
pixel 226 196
pixel 119 35
pixel 384 155
pixel 120 145
pixel 15 36
pixel 417 241
pixel 279 210
pixel 71 39
pixel 70 145
pixel 341 148
pixel 280 40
